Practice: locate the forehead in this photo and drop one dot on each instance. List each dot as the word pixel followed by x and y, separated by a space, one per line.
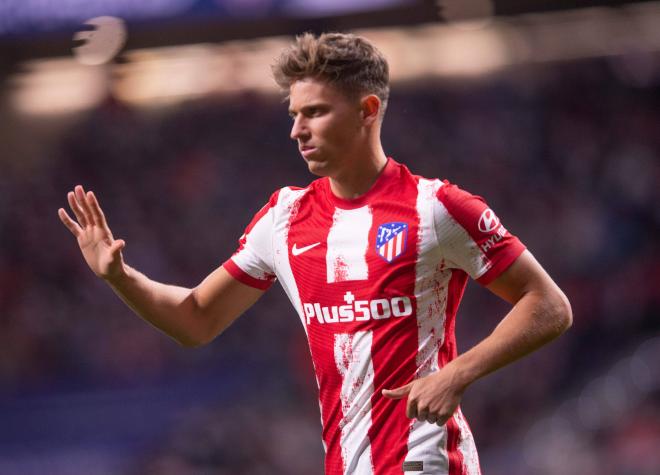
pixel 308 91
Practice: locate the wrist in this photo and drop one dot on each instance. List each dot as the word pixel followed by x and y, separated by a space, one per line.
pixel 461 375
pixel 117 278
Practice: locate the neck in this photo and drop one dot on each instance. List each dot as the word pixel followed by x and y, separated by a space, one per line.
pixel 357 179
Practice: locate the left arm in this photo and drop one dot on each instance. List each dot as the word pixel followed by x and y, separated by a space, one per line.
pixel 541 312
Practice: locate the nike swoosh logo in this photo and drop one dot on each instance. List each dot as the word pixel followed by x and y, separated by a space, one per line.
pixel 296 251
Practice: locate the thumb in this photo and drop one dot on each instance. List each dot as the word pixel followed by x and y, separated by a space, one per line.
pixel 117 246
pixel 397 393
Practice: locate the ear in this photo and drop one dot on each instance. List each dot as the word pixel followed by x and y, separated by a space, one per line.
pixel 370 108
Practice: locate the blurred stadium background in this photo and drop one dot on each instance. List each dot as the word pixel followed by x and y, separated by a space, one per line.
pixel 549 109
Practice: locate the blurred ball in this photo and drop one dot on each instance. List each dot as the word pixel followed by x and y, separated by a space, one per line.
pixel 101 43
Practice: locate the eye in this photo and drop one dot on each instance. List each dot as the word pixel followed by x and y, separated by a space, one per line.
pixel 315 112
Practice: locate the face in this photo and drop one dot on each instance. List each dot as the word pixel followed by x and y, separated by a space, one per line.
pixel 327 125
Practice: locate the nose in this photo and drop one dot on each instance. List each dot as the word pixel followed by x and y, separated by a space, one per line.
pixel 298 129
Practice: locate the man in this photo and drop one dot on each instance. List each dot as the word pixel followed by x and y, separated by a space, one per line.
pixel 374 259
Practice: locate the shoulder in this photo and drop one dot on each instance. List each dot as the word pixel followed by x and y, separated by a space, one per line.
pixel 403 177
pixel 456 206
pixel 285 199
pixel 404 173
pixel 470 211
pixel 443 191
pixel 472 235
pixel 456 199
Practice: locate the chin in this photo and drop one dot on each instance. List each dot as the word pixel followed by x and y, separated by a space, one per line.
pixel 318 168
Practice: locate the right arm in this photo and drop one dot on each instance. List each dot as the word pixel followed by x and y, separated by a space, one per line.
pixel 192 317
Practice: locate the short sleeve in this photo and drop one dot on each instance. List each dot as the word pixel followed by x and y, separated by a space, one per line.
pixel 252 263
pixel 471 236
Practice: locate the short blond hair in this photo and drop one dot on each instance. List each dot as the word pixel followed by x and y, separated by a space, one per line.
pixel 346 61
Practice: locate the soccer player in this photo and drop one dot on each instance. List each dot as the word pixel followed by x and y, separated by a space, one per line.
pixel 374 260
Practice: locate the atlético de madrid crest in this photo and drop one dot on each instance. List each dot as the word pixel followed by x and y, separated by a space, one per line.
pixel 391 240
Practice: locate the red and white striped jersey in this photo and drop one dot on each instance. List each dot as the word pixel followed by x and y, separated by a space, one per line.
pixel 376 282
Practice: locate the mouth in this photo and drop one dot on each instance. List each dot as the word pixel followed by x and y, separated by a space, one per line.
pixel 307 150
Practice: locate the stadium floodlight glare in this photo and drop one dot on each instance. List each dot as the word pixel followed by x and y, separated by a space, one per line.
pixel 57 86
pixel 100 44
pixel 157 77
pixel 474 12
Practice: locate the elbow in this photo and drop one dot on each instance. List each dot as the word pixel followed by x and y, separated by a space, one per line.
pixel 202 335
pixel 562 312
pixel 197 330
pixel 189 341
pixel 193 335
pixel 196 340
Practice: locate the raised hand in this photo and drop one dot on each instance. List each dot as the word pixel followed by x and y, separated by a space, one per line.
pixel 101 250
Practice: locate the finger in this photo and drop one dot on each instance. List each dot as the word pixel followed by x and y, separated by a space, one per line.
pixel 442 420
pixel 69 223
pixel 97 212
pixel 77 211
pixel 117 246
pixel 422 414
pixel 82 202
pixel 411 409
pixel 432 418
pixel 397 393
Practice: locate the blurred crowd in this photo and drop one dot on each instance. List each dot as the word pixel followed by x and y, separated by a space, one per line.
pixel 569 158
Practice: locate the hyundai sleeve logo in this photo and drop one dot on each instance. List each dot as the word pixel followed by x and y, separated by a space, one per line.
pixel 488 221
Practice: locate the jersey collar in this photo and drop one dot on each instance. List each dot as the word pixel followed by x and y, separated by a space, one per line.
pixel 386 175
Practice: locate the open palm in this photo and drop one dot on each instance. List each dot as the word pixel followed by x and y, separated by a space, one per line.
pixel 99 248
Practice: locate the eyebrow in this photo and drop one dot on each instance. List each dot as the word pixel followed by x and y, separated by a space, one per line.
pixel 314 105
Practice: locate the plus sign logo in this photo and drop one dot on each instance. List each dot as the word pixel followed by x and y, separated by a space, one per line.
pixel 349 298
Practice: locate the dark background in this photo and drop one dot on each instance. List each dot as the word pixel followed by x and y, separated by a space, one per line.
pixel 566 151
